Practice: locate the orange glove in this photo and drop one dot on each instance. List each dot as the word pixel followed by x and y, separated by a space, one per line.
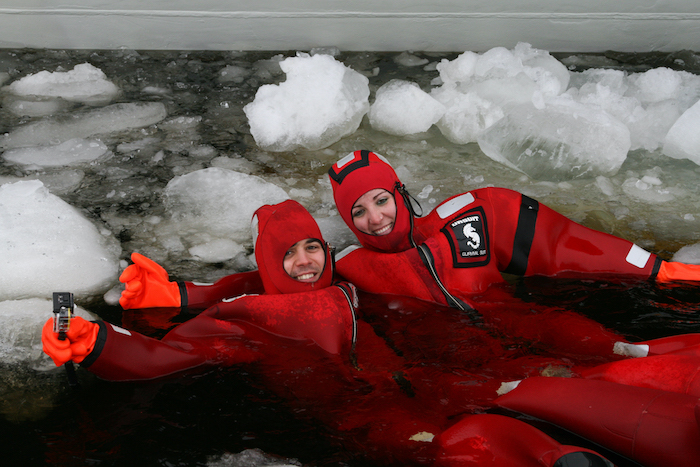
pixel 147 285
pixel 79 342
pixel 671 271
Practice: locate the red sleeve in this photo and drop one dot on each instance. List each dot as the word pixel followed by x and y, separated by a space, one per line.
pixel 520 236
pixel 122 355
pixel 203 296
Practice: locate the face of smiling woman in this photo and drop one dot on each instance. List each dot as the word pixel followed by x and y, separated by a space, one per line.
pixel 304 261
pixel 374 212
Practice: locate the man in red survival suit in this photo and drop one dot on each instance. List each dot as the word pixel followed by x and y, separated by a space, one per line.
pixel 303 341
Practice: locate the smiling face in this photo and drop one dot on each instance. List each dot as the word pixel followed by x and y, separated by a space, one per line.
pixel 304 261
pixel 374 213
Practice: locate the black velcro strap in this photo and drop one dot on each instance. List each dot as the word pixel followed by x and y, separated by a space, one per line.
pixel 655 268
pixel 183 293
pixel 99 345
pixel 524 235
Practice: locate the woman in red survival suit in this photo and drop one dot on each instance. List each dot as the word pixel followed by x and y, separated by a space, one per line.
pixel 461 248
pixel 302 339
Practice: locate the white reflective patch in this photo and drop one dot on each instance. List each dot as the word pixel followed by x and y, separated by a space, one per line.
pixel 346 252
pixel 345 160
pixel 254 229
pixel 203 283
pixel 120 330
pixel 638 256
pixel 450 207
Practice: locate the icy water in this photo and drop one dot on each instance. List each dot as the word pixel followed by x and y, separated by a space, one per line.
pixel 210 419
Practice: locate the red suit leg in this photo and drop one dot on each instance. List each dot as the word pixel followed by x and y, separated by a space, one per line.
pixel 675 373
pixel 655 428
pixel 683 344
pixel 490 440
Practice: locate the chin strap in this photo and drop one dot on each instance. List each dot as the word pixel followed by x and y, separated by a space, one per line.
pixel 410 202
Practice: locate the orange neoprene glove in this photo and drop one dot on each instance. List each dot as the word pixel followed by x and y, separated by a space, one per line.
pixel 671 271
pixel 79 342
pixel 147 285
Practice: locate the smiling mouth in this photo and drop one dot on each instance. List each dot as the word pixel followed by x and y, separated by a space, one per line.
pixel 384 230
pixel 305 276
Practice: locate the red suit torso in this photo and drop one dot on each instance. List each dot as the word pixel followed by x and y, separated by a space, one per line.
pixel 471 239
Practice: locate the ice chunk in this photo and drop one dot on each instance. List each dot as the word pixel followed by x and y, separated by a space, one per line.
pixel 683 139
pixel 477 90
pixel 109 119
pixel 320 102
pixel 37 107
pixel 403 108
pixel 409 59
pixel 84 83
pixel 563 141
pixel 233 74
pixel 466 114
pixel 689 254
pixel 20 330
pixel 47 245
pixel 655 85
pixel 212 208
pixel 72 152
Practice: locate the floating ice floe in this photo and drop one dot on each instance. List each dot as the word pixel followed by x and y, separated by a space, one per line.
pixel 683 139
pixel 45 93
pixel 320 102
pixel 562 141
pixel 20 330
pixel 108 119
pixel 72 152
pixel 403 108
pixel 46 245
pixel 211 210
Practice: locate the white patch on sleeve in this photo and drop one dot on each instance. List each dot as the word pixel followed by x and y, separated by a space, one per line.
pixel 450 207
pixel 120 330
pixel 638 256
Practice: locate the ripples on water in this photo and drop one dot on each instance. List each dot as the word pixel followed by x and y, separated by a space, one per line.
pixel 197 420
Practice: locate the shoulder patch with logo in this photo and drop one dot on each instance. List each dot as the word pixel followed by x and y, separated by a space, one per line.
pixel 468 237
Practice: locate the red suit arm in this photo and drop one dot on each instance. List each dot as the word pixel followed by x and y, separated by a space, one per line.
pixel 233 285
pixel 222 334
pixel 122 355
pixel 524 237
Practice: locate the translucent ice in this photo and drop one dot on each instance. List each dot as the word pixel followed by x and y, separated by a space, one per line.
pixel 563 141
pixel 211 211
pixel 321 101
pixel 72 152
pixel 403 108
pixel 683 139
pixel 20 330
pixel 477 90
pixel 109 119
pixel 47 245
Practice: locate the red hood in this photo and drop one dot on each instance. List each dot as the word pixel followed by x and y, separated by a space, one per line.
pixel 356 174
pixel 275 229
